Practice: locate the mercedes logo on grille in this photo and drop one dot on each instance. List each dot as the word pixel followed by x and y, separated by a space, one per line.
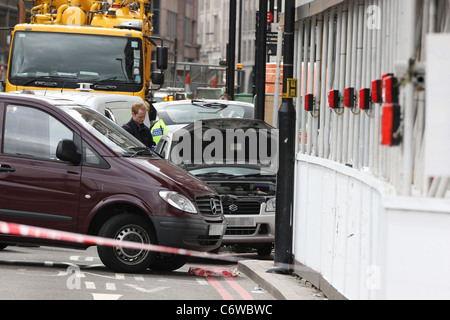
pixel 233 207
pixel 213 205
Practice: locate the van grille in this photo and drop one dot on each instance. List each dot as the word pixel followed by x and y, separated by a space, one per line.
pixel 209 206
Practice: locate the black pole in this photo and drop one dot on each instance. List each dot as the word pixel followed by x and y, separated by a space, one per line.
pixel 239 80
pixel 285 181
pixel 227 72
pixel 231 56
pixel 260 70
pixel 256 59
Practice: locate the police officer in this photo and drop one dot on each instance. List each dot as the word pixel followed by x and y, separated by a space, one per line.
pixel 137 127
pixel 158 130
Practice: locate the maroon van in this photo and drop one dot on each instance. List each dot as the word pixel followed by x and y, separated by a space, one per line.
pixel 66 167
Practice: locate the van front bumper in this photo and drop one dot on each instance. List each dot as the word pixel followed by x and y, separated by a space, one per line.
pixel 191 234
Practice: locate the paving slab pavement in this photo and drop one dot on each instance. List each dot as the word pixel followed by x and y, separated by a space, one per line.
pixel 281 287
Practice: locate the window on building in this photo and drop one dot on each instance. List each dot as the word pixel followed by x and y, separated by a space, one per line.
pixel 156 17
pixel 171 25
pixel 188 30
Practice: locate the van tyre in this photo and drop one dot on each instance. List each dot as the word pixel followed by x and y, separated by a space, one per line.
pixel 168 262
pixel 127 227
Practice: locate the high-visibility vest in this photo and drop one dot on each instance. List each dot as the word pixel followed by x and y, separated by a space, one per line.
pixel 158 130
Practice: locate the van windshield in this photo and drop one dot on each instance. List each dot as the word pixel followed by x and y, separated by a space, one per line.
pixel 112 135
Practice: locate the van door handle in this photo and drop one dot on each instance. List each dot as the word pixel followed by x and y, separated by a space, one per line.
pixel 6 168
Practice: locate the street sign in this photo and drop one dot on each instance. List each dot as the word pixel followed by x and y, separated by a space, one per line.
pixel 272 37
pixel 271 42
pixel 292 89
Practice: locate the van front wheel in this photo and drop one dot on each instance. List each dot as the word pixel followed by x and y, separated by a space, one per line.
pixel 168 262
pixel 127 227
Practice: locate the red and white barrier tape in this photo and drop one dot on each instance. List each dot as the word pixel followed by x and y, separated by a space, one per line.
pixel 49 234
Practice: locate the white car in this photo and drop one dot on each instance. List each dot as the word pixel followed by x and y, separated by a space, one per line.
pixel 116 107
pixel 247 193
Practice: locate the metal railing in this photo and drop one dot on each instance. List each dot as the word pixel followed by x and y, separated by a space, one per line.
pixel 348 46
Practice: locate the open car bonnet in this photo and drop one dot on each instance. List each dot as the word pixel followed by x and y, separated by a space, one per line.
pixel 226 143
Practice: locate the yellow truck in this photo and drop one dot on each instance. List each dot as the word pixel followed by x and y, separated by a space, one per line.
pixel 91 45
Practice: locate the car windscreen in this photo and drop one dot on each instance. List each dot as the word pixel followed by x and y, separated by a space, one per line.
pixel 112 135
pixel 189 112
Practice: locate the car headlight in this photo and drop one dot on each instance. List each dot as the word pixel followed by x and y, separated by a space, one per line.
pixel 271 205
pixel 178 201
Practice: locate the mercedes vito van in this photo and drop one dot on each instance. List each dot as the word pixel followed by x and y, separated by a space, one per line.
pixel 67 167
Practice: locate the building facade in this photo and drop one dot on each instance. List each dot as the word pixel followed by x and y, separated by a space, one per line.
pixel 176 21
pixel 213 34
pixel 9 17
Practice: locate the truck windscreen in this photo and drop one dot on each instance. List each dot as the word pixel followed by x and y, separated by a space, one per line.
pixel 63 60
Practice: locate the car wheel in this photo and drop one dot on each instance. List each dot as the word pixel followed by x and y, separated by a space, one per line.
pixel 168 262
pixel 2 246
pixel 127 227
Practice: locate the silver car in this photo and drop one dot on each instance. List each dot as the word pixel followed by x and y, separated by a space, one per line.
pixel 247 191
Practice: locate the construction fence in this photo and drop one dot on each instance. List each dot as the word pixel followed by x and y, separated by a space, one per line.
pixel 349 48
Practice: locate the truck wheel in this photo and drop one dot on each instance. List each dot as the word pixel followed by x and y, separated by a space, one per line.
pixel 2 246
pixel 127 227
pixel 168 262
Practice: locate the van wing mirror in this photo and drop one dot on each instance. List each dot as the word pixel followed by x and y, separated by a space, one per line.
pixel 67 151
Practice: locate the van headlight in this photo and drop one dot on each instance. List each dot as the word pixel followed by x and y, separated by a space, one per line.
pixel 271 205
pixel 178 201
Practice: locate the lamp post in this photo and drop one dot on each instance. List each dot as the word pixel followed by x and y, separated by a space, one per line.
pixel 285 182
pixel 260 66
pixel 231 50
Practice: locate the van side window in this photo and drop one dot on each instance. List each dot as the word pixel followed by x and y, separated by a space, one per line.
pixel 32 133
pixel 92 158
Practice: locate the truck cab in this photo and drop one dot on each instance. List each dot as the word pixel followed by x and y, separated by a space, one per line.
pixel 103 47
